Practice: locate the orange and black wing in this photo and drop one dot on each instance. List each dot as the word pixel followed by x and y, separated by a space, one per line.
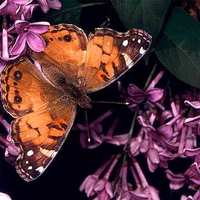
pixel 110 54
pixel 43 118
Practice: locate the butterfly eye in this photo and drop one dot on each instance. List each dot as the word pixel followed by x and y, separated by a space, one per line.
pixel 68 38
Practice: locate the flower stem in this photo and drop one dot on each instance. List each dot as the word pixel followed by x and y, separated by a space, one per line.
pixel 132 127
pixel 150 76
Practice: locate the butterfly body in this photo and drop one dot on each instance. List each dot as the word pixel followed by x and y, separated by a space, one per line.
pixel 44 99
pixel 72 91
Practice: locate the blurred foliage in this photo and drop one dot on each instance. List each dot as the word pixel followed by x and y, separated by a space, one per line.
pixel 176 35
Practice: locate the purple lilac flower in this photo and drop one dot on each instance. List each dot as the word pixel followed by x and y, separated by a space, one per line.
pixel 151 95
pixel 28 33
pixel 191 177
pixel 46 4
pixel 149 142
pixel 8 7
pixel 102 188
pixel 5 44
pixel 25 11
pixel 143 188
pixel 94 129
pixel 4 196
pixel 195 197
pixel 97 137
pixel 126 191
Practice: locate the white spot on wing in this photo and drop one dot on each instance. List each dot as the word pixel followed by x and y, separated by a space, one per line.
pixel 129 62
pixel 139 41
pixel 40 169
pixel 30 153
pixel 30 167
pixel 27 162
pixel 48 153
pixel 125 43
pixel 142 51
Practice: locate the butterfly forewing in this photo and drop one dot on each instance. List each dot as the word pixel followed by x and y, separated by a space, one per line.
pixel 110 54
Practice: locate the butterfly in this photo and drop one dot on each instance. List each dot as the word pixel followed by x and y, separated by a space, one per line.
pixel 44 99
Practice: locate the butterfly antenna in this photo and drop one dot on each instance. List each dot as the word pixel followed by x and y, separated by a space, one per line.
pixel 111 102
pixel 86 122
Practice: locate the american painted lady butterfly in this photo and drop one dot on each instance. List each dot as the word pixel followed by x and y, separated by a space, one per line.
pixel 44 101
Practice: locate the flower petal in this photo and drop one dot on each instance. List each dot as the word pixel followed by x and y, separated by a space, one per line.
pixel 99 185
pixel 44 5
pixel 55 4
pixel 20 25
pixel 3 4
pixel 22 2
pixel 9 8
pixel 192 121
pixel 19 45
pixel 154 94
pixel 39 27
pixel 137 94
pixel 153 156
pixel 35 42
pixel 4 196
pixel 134 145
pixel 155 80
pixel 28 10
pixel 165 130
pixel 194 104
pixel 109 190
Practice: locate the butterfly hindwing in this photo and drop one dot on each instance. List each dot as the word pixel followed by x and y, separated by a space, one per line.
pixel 40 135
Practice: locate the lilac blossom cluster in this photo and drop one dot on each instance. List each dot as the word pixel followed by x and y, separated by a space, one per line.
pixel 169 127
pixel 19 33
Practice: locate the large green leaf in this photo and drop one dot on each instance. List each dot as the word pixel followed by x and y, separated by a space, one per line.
pixel 178 47
pixel 144 14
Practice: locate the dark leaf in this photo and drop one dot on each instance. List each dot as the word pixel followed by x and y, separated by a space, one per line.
pixel 144 14
pixel 178 47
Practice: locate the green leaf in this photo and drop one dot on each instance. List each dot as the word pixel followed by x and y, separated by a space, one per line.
pixel 178 47
pixel 145 14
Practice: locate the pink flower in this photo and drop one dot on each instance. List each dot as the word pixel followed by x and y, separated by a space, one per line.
pixel 29 33
pixel 126 192
pixel 195 197
pixel 191 176
pixel 25 11
pixel 8 7
pixel 94 129
pixel 102 188
pixel 46 4
pixel 152 95
pixel 4 196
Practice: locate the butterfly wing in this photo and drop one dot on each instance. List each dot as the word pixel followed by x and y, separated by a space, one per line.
pixel 23 88
pixel 110 54
pixel 40 135
pixel 43 118
pixel 66 49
